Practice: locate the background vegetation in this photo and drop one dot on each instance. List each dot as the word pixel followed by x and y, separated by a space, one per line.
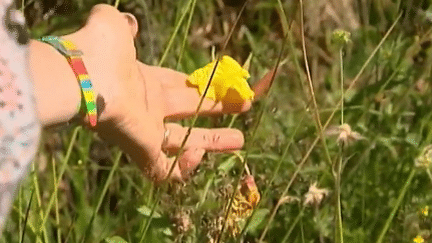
pixel 81 189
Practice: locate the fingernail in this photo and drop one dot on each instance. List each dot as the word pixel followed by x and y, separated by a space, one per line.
pixel 133 23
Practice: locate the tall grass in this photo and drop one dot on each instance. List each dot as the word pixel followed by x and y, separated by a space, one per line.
pixel 83 190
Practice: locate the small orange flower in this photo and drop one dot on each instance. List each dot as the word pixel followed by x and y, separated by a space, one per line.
pixel 425 211
pixel 249 190
pixel 244 202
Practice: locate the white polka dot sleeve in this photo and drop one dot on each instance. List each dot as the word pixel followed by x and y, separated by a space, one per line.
pixel 19 127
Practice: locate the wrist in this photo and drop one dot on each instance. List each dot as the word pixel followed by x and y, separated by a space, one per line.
pixel 57 91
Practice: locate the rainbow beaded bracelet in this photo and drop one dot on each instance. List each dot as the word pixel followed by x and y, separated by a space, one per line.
pixel 73 56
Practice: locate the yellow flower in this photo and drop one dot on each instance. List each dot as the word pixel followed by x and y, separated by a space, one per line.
pixel 425 211
pixel 419 239
pixel 229 77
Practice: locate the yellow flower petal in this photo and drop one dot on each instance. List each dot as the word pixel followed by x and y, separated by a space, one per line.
pixel 425 211
pixel 418 239
pixel 229 75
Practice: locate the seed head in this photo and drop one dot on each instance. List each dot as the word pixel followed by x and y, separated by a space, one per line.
pixel 346 135
pixel 315 195
pixel 424 160
pixel 182 222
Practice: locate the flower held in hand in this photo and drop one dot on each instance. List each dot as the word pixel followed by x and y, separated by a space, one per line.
pixel 229 77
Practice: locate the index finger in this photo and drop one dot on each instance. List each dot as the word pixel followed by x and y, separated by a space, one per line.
pixel 212 140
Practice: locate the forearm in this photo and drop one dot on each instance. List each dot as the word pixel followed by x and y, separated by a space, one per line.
pixel 56 88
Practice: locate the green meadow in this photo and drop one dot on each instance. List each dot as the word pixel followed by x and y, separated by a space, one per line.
pixel 338 146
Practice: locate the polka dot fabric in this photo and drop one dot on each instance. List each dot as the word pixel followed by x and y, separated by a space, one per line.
pixel 19 127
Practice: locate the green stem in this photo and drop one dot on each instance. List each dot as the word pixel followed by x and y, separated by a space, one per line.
pixel 296 220
pixel 342 85
pixel 27 216
pixel 57 215
pixel 116 3
pixel 42 229
pixel 102 195
pixel 429 174
pixel 339 228
pixel 396 206
pixel 206 190
pixel 186 33
pixel 311 88
pixel 20 200
pixel 233 118
pixel 62 170
pixel 174 34
pixel 146 226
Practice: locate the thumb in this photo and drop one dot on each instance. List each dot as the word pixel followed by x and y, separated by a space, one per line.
pixel 160 170
pixel 189 160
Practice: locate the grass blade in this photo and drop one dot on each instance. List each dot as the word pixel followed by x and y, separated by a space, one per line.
pixel 35 177
pixel 57 215
pixel 174 34
pixel 26 216
pixel 62 170
pixel 186 34
pixel 396 206
pixel 103 193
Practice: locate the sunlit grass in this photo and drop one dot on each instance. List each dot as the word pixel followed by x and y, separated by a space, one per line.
pixel 85 191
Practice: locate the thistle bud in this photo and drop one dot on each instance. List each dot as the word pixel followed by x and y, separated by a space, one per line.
pixel 341 38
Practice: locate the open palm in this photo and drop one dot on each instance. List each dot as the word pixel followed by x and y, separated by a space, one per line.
pixel 137 98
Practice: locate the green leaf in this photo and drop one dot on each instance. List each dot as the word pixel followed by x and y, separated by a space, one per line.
pixel 412 139
pixel 167 231
pixel 228 164
pixel 257 219
pixel 146 211
pixel 115 239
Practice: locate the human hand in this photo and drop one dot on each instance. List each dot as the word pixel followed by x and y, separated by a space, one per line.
pixel 136 98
